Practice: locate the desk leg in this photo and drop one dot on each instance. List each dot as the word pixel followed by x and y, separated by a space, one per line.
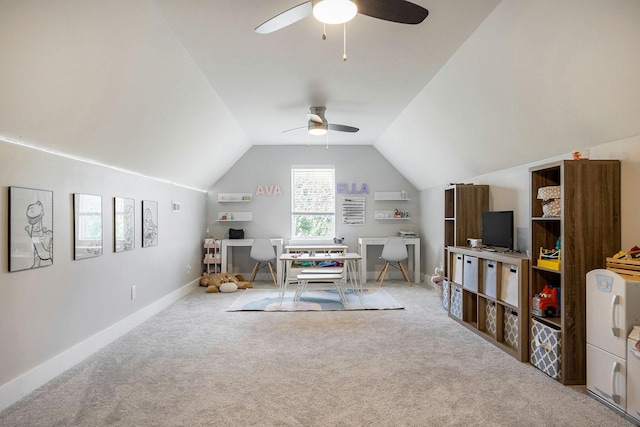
pixel 225 258
pixel 353 277
pixel 284 281
pixel 280 268
pixel 363 265
pixel 416 263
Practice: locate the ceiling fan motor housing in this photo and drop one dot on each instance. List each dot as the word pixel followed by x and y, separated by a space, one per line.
pixel 317 127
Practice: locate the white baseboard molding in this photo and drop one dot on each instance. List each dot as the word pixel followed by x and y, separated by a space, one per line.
pixel 21 386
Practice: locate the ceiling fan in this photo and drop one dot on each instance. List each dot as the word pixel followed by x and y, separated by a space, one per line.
pixel 318 124
pixel 342 11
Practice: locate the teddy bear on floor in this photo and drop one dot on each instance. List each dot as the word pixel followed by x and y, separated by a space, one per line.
pixel 223 282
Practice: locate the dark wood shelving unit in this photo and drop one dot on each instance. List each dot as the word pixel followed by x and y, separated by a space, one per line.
pixel 589 231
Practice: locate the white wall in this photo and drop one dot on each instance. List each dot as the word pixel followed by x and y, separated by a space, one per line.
pixel 509 190
pixel 52 317
pixel 271 165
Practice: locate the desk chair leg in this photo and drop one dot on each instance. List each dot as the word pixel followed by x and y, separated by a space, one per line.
pixel 254 272
pixel 404 273
pixel 383 273
pixel 273 276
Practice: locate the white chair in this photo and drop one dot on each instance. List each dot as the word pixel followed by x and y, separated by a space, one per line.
pixel 262 251
pixel 394 251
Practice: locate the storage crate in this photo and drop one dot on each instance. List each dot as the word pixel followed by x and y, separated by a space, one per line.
pixel 490 278
pixel 510 332
pixel 456 301
pixel 470 275
pixel 629 267
pixel 445 294
pixel 546 349
pixel 491 319
pixel 457 266
pixel 509 284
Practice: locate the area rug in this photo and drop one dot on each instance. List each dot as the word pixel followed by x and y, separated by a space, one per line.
pixel 313 300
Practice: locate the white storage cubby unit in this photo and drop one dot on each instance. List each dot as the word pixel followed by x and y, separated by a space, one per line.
pixel 489 295
pixel 212 259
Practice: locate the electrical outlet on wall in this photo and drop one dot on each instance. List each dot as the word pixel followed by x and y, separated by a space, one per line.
pixel 133 292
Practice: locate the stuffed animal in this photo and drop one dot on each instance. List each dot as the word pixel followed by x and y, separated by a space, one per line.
pixel 438 276
pixel 223 282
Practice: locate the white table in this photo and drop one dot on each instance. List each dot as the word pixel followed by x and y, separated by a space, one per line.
pixel 365 242
pixel 351 264
pixel 226 252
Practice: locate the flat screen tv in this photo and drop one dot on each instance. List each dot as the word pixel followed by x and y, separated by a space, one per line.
pixel 497 229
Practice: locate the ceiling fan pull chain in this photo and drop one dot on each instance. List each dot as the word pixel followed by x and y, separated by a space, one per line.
pixel 344 41
pixel 327 147
pixel 324 31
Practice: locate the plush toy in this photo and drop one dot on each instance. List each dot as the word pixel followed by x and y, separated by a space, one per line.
pixel 223 282
pixel 438 276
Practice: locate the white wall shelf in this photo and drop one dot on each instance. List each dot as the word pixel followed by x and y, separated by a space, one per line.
pixel 235 216
pixel 388 215
pixel 390 195
pixel 235 197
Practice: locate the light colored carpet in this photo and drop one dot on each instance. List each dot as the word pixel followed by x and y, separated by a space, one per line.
pixel 313 300
pixel 195 364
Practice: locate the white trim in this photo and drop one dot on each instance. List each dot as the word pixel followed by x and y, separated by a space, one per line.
pixel 24 384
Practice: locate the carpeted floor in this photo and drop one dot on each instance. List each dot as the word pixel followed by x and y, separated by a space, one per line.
pixel 313 300
pixel 195 364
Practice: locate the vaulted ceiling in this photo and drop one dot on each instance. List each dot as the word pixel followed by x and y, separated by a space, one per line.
pixel 180 90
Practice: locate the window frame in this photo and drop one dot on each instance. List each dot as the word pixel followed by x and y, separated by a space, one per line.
pixel 329 213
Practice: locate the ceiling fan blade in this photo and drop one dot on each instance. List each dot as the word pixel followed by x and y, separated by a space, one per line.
pixel 314 118
pixel 400 11
pixel 290 130
pixel 342 128
pixel 286 18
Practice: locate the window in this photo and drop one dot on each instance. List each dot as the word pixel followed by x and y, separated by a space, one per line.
pixel 313 201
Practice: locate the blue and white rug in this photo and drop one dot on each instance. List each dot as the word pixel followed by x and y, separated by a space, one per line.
pixel 313 300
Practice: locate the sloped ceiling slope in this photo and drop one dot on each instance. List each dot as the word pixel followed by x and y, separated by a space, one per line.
pixel 109 82
pixel 269 81
pixel 537 79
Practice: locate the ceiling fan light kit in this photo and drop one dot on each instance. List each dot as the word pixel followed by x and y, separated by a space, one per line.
pixel 334 11
pixel 317 129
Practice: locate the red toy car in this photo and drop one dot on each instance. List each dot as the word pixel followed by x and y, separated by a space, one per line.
pixel 546 304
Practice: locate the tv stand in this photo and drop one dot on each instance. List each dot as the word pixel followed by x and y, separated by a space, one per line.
pixel 488 293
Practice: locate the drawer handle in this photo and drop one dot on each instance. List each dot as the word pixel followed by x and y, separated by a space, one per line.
pixel 635 353
pixel 490 265
pixel 545 345
pixel 614 302
pixel 614 396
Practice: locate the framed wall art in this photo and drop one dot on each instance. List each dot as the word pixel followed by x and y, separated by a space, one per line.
pixel 30 228
pixel 123 224
pixel 87 225
pixel 149 223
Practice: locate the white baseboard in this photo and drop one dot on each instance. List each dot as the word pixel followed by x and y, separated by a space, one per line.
pixel 20 386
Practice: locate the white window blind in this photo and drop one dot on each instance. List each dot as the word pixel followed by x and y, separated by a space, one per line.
pixel 313 190
pixel 313 201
